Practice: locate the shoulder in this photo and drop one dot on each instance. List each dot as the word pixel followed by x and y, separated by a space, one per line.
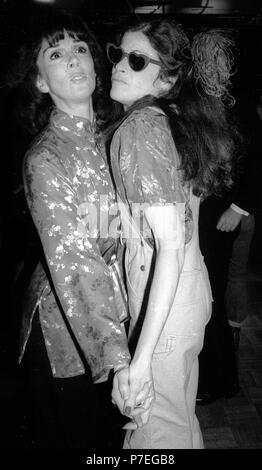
pixel 145 117
pixel 43 152
pixel 143 125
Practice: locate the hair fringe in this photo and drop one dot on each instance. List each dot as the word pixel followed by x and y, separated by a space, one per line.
pixel 34 107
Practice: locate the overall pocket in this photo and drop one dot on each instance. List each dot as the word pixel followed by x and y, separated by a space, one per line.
pixel 190 310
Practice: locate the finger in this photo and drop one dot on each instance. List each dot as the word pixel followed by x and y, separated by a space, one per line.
pixel 137 420
pixel 123 384
pixel 140 410
pixel 147 389
pixel 148 402
pixel 138 397
pixel 118 401
pixel 116 397
pixel 142 418
pixel 145 417
pixel 130 404
pixel 148 408
pixel 144 393
pixel 124 391
pixel 131 425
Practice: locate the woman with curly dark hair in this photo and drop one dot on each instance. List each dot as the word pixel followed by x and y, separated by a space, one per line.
pixel 72 331
pixel 172 146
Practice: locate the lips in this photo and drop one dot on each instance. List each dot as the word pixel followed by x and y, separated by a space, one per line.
pixel 117 79
pixel 77 77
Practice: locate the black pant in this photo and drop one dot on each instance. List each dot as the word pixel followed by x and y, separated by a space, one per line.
pixel 67 413
pixel 217 361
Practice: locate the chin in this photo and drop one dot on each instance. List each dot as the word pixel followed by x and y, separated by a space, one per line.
pixel 117 96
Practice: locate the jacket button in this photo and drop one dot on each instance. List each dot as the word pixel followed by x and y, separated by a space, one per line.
pixel 142 267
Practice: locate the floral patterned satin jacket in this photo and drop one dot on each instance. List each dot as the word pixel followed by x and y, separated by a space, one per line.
pixel 69 193
pixel 145 166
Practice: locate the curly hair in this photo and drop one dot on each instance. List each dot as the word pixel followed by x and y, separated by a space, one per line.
pixel 197 103
pixel 34 106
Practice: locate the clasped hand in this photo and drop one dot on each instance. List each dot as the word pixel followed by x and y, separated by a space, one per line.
pixel 133 393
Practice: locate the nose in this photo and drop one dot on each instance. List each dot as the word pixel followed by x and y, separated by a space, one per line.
pixel 72 60
pixel 122 64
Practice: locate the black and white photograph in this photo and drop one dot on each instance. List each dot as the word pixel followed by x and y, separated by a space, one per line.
pixel 131 229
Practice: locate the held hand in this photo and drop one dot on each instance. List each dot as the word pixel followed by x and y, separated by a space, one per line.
pixel 139 414
pixel 120 391
pixel 141 392
pixel 229 220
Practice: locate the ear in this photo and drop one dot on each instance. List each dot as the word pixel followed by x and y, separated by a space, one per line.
pixel 167 84
pixel 41 84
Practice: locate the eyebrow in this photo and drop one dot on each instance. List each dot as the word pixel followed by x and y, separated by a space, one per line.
pixel 137 51
pixel 49 47
pixel 58 45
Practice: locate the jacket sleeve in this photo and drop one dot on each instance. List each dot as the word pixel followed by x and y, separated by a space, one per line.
pixel 81 279
pixel 149 166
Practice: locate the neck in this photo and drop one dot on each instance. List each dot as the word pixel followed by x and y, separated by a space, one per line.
pixel 82 110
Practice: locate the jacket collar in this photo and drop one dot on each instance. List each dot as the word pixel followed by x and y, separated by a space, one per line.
pixel 73 125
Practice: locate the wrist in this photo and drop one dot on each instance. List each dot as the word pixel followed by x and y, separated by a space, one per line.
pixel 238 209
pixel 143 359
pixel 120 367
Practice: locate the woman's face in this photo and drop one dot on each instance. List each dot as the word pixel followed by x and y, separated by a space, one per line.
pixel 127 85
pixel 66 72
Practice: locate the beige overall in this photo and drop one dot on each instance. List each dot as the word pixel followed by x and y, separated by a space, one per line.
pixel 172 423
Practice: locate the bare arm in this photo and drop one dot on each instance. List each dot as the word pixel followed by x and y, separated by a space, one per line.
pixel 168 233
pixel 167 229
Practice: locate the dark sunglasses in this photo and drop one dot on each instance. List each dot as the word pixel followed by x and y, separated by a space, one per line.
pixel 137 62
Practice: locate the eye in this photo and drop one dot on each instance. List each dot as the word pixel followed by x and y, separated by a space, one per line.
pixel 55 55
pixel 82 49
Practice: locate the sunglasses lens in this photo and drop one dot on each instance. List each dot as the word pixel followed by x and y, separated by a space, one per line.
pixel 136 62
pixel 114 54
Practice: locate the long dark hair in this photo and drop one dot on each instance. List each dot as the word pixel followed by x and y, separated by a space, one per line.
pixel 34 106
pixel 196 105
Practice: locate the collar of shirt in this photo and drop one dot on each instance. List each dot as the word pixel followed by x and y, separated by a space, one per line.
pixel 79 127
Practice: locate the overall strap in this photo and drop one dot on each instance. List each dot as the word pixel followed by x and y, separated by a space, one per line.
pixel 129 225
